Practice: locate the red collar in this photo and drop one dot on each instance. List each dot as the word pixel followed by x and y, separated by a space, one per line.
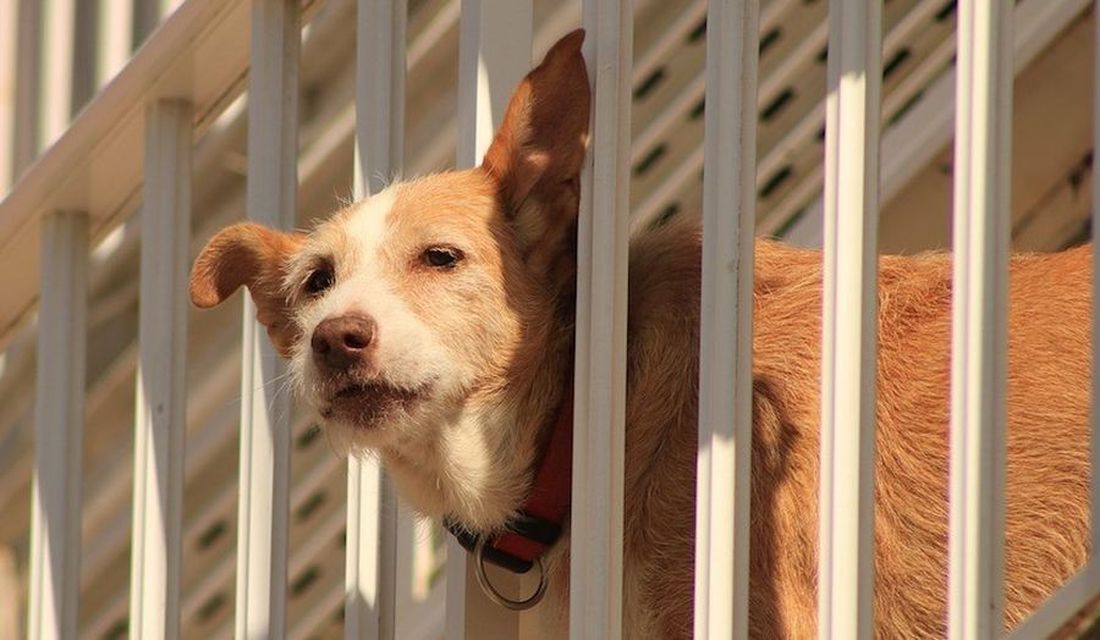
pixel 538 525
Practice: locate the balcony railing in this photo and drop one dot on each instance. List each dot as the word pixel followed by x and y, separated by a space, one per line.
pixel 133 142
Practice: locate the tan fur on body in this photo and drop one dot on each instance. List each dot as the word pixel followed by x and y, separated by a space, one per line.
pixel 1047 463
pixel 454 370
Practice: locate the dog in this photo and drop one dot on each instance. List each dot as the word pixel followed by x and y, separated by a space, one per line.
pixel 432 325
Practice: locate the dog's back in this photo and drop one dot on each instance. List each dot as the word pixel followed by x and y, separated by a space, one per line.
pixel 1048 405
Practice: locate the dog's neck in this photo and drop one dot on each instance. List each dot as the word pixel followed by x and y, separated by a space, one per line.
pixel 478 468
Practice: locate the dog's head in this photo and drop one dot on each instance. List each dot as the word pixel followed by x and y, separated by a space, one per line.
pixel 401 307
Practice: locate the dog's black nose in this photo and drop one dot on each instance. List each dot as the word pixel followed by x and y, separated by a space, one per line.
pixel 341 343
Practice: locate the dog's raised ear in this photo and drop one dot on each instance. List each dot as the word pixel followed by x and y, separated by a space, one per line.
pixel 537 154
pixel 250 255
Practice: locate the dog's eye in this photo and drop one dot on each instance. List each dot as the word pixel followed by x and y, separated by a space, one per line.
pixel 319 281
pixel 442 257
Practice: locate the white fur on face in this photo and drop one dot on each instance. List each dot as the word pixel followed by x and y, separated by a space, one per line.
pixel 406 353
pixel 446 338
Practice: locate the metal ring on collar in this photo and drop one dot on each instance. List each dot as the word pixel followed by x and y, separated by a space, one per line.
pixel 494 595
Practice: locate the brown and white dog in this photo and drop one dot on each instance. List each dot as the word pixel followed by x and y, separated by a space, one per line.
pixel 432 325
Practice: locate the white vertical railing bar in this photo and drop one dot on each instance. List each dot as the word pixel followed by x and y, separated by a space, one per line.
pixel 596 556
pixel 849 308
pixel 160 411
pixel 265 412
pixel 56 101
pixel 115 35
pixel 28 80
pixel 725 357
pixel 979 307
pixel 59 428
pixel 494 53
pixel 8 65
pixel 10 587
pixel 371 562
pixel 82 82
pixel 146 16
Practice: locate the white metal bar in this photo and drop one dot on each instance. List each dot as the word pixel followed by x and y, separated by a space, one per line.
pixel 725 358
pixel 846 511
pixel 596 556
pixel 979 332
pixel 10 589
pixel 160 411
pixel 59 429
pixel 146 16
pixel 910 144
pixel 371 562
pixel 28 79
pixel 56 101
pixel 265 413
pixel 96 165
pixel 8 64
pixel 494 54
pixel 82 82
pixel 115 36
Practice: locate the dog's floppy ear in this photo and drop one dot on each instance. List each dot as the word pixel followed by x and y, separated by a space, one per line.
pixel 537 154
pixel 254 256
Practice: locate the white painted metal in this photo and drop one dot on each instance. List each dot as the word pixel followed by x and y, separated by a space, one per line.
pixel 8 39
pixel 59 429
pixel 849 307
pixel 56 98
pixel 159 422
pixel 911 143
pixel 10 589
pixel 979 331
pixel 147 14
pixel 82 81
pixel 371 563
pixel 265 403
pixel 28 80
pixel 494 54
pixel 596 557
pixel 115 35
pixel 96 166
pixel 725 358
